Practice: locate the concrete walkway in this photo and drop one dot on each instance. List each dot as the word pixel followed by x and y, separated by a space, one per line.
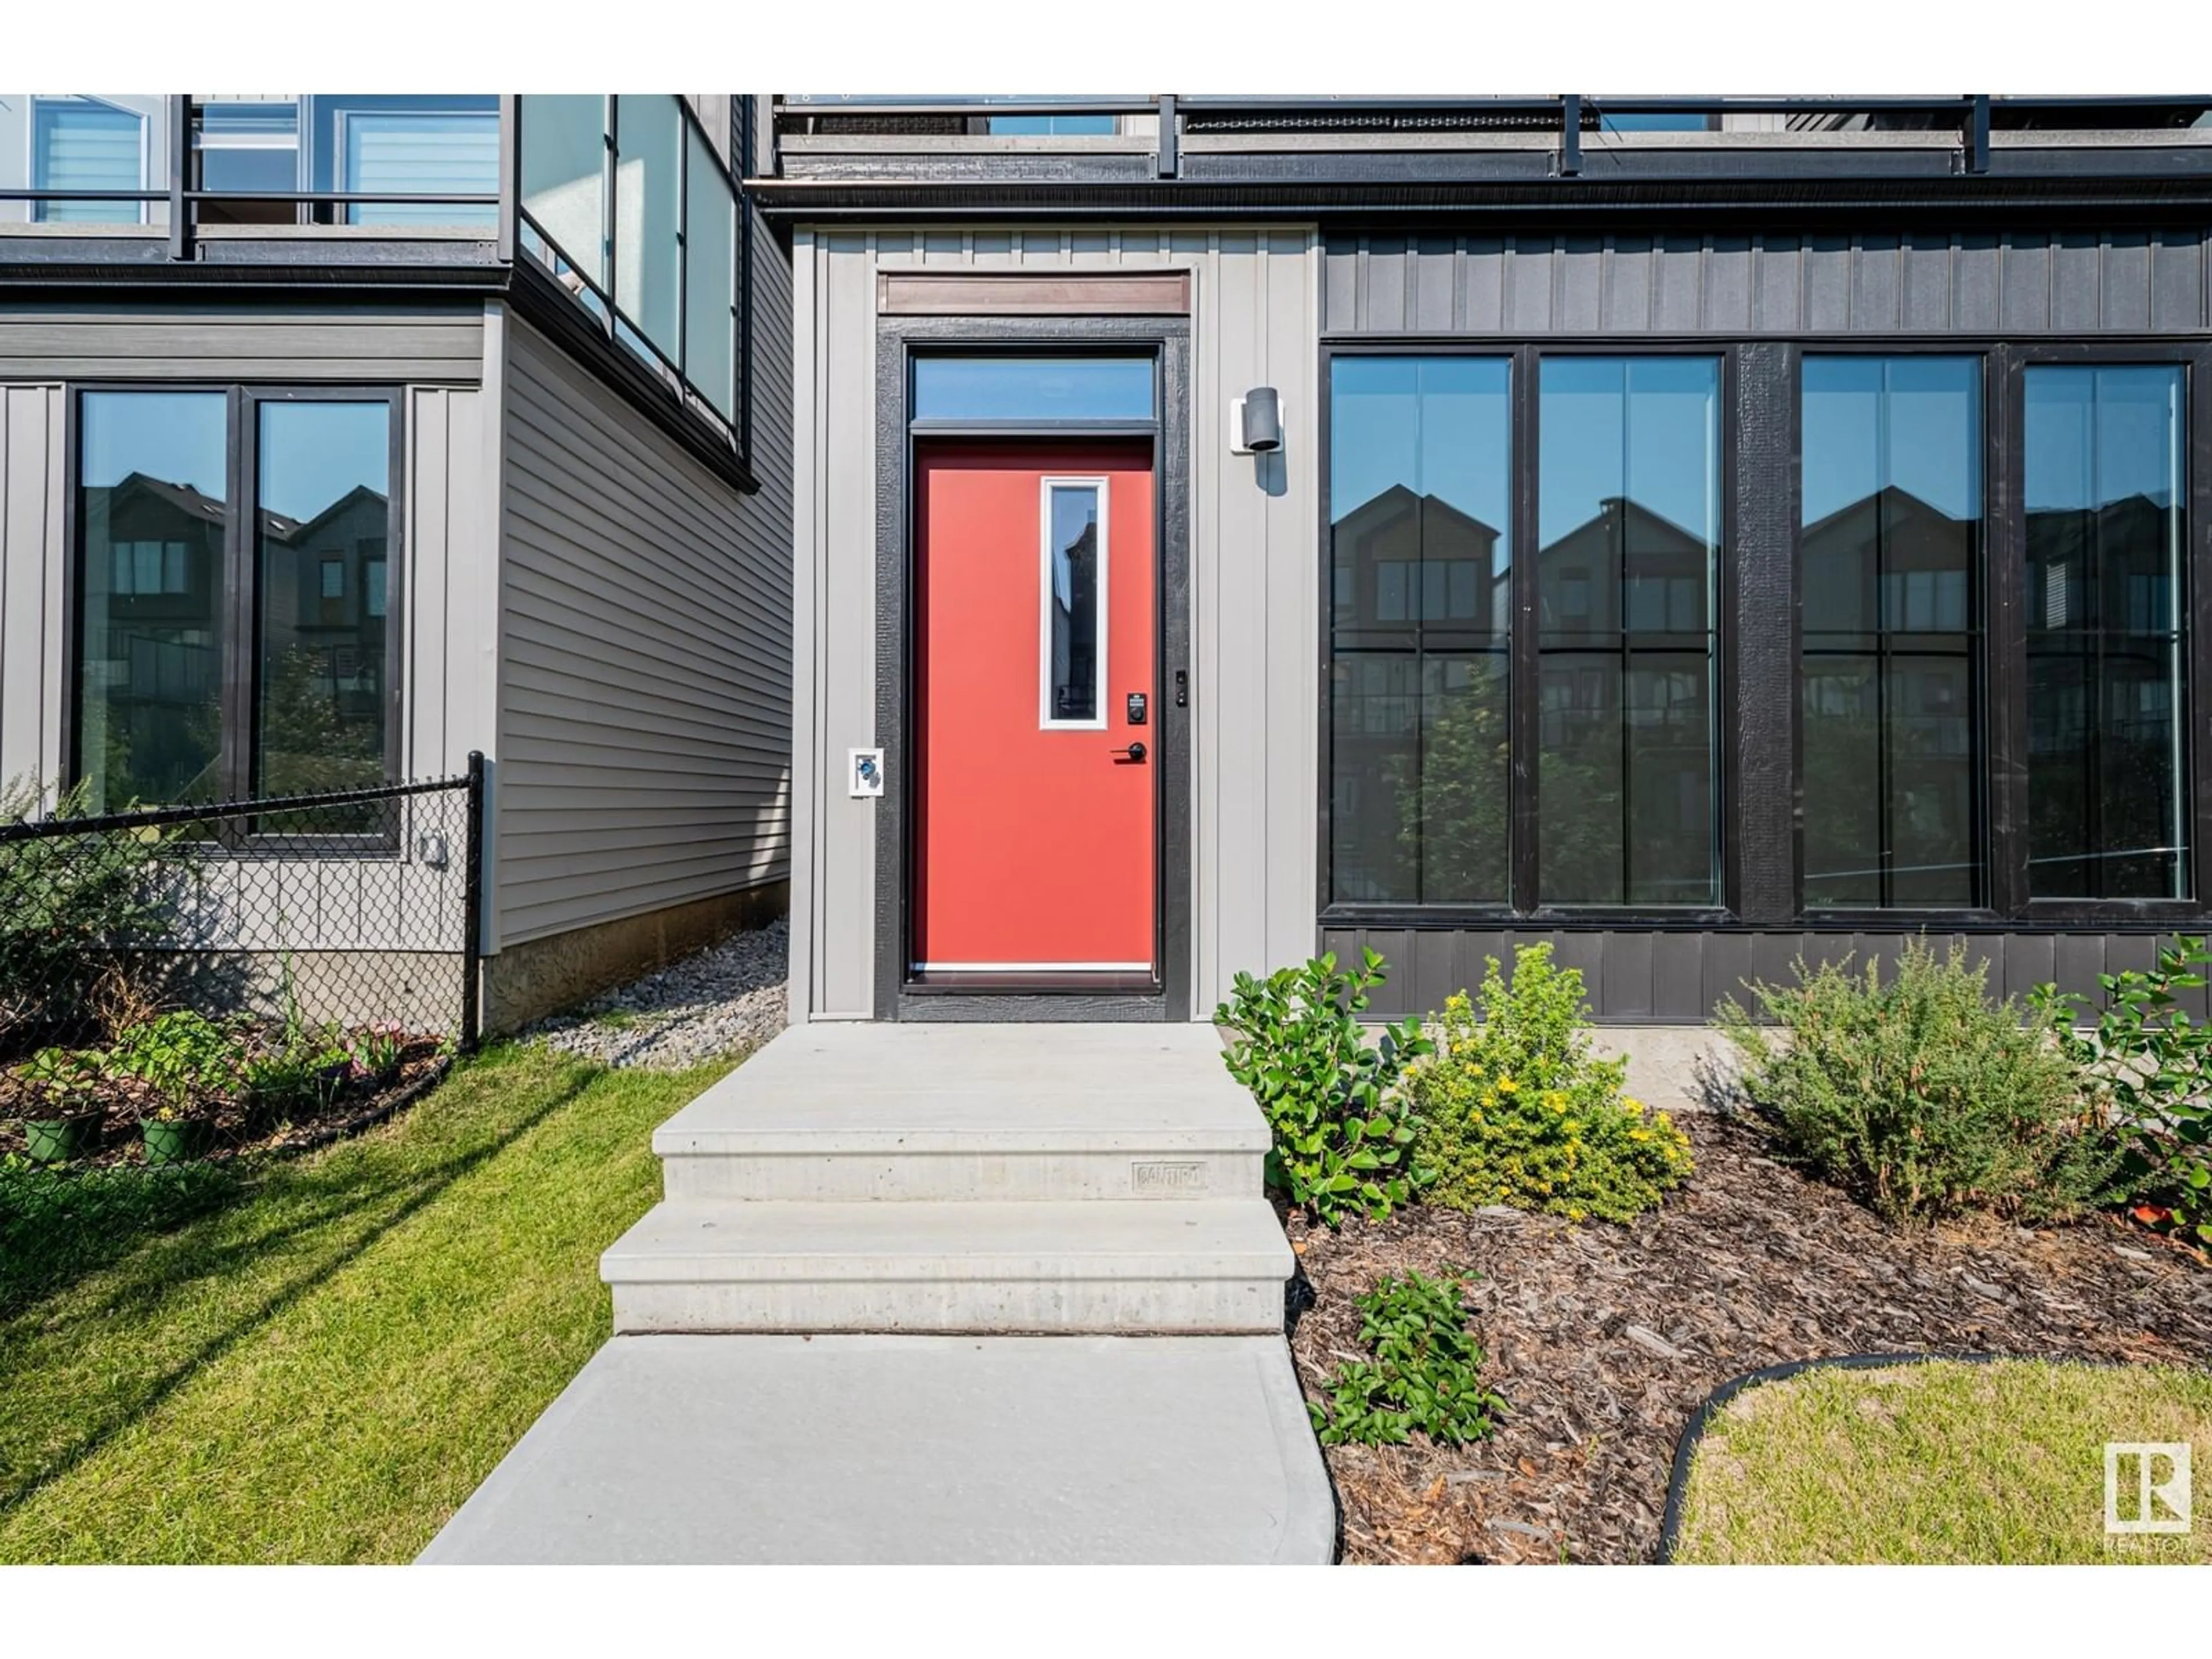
pixel 938 1293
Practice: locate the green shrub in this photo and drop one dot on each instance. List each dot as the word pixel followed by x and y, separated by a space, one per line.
pixel 73 902
pixel 1515 1109
pixel 2148 1067
pixel 1331 1097
pixel 185 1058
pixel 1424 1374
pixel 1923 1097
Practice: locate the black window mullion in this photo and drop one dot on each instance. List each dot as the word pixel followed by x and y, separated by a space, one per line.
pixel 1761 632
pixel 1524 713
pixel 241 623
pixel 2005 637
pixel 2193 609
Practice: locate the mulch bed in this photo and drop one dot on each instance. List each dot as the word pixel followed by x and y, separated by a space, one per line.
pixel 1604 1339
pixel 235 1128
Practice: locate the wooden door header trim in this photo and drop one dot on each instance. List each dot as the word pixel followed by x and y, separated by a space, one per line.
pixel 1065 294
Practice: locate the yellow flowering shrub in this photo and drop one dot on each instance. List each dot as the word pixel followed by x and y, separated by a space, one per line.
pixel 1514 1109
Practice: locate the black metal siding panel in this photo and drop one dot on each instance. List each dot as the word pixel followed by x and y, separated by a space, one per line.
pixel 2026 304
pixel 1528 285
pixel 1627 305
pixel 2076 257
pixel 1626 988
pixel 1482 284
pixel 1977 284
pixel 1828 284
pixel 2125 283
pixel 1728 285
pixel 1676 297
pixel 1579 296
pixel 1434 263
pixel 2078 283
pixel 1924 283
pixel 1876 285
pixel 1778 288
pixel 2029 960
pixel 2177 285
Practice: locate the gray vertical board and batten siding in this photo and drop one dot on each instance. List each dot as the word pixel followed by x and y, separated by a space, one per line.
pixel 645 647
pixel 1255 595
pixel 2064 282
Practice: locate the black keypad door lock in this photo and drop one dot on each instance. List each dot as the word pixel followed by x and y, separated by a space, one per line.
pixel 1136 708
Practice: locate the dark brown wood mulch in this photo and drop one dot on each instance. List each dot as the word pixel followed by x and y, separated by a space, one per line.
pixel 1604 1339
pixel 234 1126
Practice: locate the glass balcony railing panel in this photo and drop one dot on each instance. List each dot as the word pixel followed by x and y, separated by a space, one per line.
pixel 629 204
pixel 312 158
pixel 110 147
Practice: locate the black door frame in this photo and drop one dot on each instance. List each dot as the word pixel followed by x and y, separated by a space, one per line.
pixel 899 340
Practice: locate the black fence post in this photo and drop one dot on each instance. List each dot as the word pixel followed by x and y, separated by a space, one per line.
pixel 472 911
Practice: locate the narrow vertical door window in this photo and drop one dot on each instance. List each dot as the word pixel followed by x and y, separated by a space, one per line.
pixel 2106 609
pixel 1073 581
pixel 1890 553
pixel 1629 533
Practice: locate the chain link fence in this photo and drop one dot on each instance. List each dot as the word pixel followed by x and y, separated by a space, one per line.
pixel 186 980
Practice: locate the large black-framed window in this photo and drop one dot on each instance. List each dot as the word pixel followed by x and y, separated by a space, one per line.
pixel 220 653
pixel 1522 631
pixel 1961 643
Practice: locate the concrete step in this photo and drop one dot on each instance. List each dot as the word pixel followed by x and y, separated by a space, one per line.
pixel 927 1114
pixel 1098 1266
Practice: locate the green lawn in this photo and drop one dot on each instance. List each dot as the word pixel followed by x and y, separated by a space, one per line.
pixel 324 1366
pixel 1943 1462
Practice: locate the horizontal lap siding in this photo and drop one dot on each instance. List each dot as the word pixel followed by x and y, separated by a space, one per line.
pixel 2065 284
pixel 377 343
pixel 1639 976
pixel 645 648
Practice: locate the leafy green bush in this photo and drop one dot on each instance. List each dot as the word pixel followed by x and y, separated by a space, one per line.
pixel 185 1058
pixel 72 902
pixel 1424 1374
pixel 2148 1067
pixel 1922 1096
pixel 1341 1122
pixel 1515 1109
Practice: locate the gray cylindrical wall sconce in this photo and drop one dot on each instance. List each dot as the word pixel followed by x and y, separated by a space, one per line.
pixel 1256 428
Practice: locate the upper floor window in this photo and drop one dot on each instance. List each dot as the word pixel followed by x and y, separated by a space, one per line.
pixel 223 654
pixel 87 143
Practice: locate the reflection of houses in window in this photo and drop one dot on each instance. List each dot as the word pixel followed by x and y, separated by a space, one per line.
pixel 160 582
pixel 2101 606
pixel 323 594
pixel 1075 626
pixel 1627 577
pixel 1891 574
pixel 1401 559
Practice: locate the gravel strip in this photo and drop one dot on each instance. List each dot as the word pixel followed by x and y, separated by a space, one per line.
pixel 721 1001
pixel 1604 1339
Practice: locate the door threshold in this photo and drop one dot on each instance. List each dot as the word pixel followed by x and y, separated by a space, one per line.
pixel 940 981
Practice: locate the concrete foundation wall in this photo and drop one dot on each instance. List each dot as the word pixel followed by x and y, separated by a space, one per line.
pixel 529 980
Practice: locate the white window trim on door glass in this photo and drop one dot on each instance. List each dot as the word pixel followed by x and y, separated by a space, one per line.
pixel 1045 554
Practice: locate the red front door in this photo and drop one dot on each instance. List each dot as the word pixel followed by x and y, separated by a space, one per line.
pixel 1036 712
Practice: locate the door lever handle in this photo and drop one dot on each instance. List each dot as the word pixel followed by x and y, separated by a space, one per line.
pixel 1134 752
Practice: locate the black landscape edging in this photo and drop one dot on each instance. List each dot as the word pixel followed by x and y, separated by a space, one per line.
pixel 1670 1521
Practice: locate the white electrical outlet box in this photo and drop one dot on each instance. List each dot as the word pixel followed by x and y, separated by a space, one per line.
pixel 863 773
